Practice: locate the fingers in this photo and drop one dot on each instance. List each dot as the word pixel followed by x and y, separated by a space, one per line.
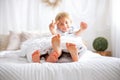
pixel 54 22
pixel 83 25
pixel 51 25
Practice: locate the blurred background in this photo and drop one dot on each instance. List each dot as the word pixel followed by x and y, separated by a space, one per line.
pixel 102 17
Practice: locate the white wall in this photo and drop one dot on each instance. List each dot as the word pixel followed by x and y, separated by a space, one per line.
pixel 34 15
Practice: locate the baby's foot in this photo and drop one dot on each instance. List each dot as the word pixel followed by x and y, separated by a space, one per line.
pixel 56 44
pixel 36 56
pixel 73 51
pixel 53 57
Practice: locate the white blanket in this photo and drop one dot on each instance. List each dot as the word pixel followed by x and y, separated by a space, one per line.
pixel 45 46
pixel 89 67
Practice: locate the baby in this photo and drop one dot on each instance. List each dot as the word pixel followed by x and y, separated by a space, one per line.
pixel 61 27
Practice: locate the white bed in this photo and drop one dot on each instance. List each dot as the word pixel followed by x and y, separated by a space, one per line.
pixel 90 66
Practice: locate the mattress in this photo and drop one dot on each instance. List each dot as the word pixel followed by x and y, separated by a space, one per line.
pixel 90 66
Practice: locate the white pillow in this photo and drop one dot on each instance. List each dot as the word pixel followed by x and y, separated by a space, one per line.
pixel 3 41
pixel 14 41
pixel 26 35
pixel 31 35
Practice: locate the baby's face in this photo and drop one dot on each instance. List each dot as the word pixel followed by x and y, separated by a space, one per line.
pixel 64 24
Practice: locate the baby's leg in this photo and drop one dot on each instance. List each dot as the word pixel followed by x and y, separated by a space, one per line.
pixel 73 51
pixel 53 57
pixel 36 56
pixel 56 44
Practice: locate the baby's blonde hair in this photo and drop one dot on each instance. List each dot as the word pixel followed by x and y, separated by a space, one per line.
pixel 62 15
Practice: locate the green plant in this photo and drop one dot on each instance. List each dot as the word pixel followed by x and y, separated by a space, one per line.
pixel 100 44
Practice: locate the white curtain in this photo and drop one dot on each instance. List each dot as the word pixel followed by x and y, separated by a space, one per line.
pixel 21 15
pixel 34 15
pixel 115 29
pixel 28 15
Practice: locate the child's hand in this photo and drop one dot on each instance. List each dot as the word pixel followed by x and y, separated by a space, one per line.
pixel 52 25
pixel 83 25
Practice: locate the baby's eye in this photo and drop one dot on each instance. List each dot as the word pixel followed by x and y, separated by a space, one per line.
pixel 66 22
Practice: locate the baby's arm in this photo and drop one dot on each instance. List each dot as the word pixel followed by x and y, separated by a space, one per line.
pixel 83 26
pixel 52 27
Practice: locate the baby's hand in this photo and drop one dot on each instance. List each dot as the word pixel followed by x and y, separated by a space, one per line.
pixel 52 25
pixel 83 25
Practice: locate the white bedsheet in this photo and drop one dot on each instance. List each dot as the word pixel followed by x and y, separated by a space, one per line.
pixel 89 67
pixel 12 57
